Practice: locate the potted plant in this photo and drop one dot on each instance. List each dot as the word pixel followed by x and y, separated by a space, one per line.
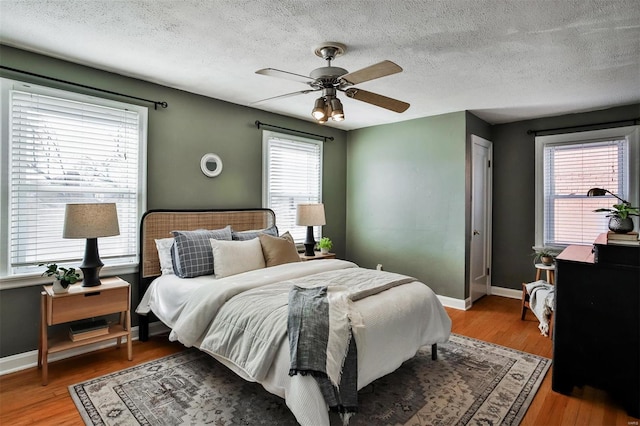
pixel 619 216
pixel 545 255
pixel 325 245
pixel 63 277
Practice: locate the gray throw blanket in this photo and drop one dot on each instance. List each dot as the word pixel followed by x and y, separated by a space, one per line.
pixel 541 301
pixel 308 330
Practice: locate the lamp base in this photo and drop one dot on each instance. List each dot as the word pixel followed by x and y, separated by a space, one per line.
pixel 309 249
pixel 91 264
pixel 91 276
pixel 309 243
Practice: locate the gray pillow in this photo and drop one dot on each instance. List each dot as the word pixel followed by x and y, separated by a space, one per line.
pixel 191 253
pixel 250 235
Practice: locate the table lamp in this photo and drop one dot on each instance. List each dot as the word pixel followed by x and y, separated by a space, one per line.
pixel 310 215
pixel 598 192
pixel 91 221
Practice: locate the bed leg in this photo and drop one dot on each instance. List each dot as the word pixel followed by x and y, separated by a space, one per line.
pixel 143 328
pixel 434 351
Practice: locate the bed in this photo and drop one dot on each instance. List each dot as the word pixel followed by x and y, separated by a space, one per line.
pixel 396 315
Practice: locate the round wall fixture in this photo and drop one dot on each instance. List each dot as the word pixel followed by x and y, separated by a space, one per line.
pixel 211 165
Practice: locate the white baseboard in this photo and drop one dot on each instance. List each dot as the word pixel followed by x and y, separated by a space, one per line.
pixel 450 302
pixel 506 292
pixel 465 304
pixel 22 361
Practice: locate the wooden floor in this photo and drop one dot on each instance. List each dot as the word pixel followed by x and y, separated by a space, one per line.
pixel 24 401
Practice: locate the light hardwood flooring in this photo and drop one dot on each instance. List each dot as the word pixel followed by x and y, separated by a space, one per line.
pixel 24 401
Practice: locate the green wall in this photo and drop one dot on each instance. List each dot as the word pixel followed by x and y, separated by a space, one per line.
pixel 406 186
pixel 178 136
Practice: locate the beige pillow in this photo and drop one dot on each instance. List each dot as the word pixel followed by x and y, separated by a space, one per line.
pixel 278 250
pixel 235 257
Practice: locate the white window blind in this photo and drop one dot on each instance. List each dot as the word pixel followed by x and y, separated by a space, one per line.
pixel 570 170
pixel 68 151
pixel 292 176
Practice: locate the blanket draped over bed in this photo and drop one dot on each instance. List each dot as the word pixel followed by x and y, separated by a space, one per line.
pixel 250 327
pixel 309 328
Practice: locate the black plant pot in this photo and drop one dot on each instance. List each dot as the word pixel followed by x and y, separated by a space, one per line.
pixel 620 226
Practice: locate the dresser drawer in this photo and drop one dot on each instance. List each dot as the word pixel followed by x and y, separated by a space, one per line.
pixel 88 304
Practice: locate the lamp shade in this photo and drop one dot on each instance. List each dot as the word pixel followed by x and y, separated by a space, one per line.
pixel 90 220
pixel 310 215
pixel 596 192
pixel 599 192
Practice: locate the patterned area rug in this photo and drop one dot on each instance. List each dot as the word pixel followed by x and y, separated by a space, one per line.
pixel 472 382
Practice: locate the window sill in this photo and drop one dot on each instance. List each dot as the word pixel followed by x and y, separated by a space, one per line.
pixel 20 281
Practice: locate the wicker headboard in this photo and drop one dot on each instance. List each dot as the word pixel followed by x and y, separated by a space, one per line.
pixel 159 224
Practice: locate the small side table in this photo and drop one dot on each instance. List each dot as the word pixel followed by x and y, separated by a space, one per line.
pixel 318 256
pixel 551 269
pixel 79 303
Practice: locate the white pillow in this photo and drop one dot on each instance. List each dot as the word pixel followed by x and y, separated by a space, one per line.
pixel 235 257
pixel 164 255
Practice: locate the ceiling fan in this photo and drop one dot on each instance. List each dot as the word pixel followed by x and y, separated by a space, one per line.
pixel 330 80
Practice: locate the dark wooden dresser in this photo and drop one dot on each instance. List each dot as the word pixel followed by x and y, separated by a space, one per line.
pixel 596 335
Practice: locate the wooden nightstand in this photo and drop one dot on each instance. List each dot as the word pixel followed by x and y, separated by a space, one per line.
pixel 318 256
pixel 79 303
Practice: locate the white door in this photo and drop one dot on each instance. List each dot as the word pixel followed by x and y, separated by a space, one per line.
pixel 480 256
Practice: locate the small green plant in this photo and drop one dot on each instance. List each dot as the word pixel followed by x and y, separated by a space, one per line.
pixel 66 276
pixel 325 243
pixel 545 254
pixel 622 210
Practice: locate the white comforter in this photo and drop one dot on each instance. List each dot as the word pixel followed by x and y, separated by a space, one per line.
pixel 397 322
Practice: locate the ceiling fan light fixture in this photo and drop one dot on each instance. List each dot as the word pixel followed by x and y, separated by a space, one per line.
pixel 319 110
pixel 337 112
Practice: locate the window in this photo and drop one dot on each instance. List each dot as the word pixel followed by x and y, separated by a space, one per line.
pixel 567 166
pixel 292 175
pixel 67 148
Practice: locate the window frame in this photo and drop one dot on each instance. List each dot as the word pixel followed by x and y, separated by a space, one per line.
pixel 266 136
pixel 630 133
pixel 7 280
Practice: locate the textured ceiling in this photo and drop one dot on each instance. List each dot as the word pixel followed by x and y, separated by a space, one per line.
pixel 504 60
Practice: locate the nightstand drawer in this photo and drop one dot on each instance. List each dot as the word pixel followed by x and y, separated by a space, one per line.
pixel 88 304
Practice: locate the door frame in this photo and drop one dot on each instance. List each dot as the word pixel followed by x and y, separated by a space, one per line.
pixel 489 212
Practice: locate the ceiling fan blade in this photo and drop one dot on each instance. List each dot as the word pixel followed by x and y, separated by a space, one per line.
pixel 285 74
pixel 372 72
pixel 377 100
pixel 301 92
